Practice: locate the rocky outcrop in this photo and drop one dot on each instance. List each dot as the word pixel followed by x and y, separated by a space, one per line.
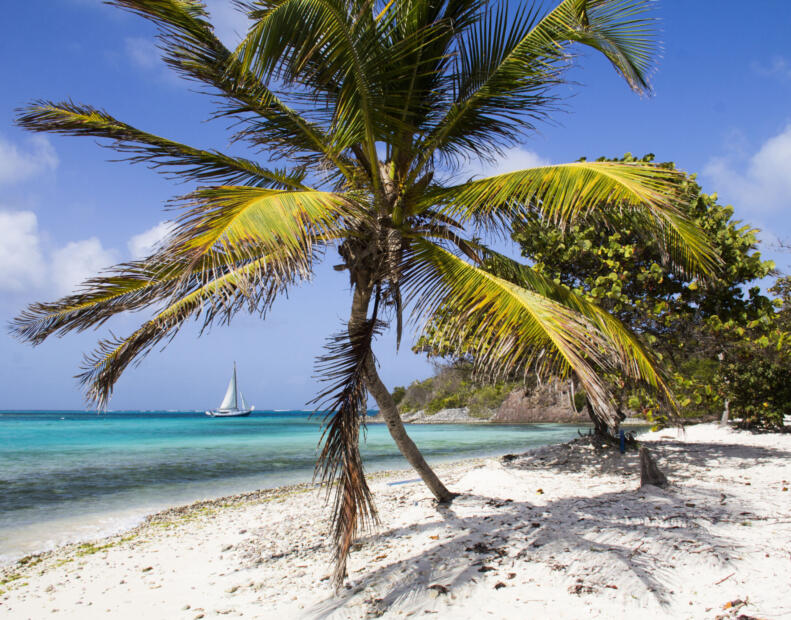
pixel 460 415
pixel 550 402
pixel 547 402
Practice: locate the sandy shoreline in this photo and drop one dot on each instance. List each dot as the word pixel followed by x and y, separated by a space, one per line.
pixel 559 532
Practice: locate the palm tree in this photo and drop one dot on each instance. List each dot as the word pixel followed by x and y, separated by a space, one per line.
pixel 372 106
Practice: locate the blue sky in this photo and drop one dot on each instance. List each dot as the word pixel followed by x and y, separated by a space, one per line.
pixel 720 109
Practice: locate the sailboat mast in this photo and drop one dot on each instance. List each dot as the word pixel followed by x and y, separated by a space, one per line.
pixel 235 386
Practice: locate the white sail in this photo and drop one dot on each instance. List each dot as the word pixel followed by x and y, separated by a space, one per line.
pixel 229 402
pixel 244 404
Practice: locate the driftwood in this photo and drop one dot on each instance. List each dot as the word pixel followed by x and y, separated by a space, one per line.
pixel 649 472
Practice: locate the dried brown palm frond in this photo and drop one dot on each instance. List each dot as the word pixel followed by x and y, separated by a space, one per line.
pixel 340 466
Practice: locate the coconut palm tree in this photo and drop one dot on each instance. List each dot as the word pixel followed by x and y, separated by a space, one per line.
pixel 372 107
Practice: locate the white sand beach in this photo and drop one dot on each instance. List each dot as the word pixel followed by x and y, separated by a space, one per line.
pixel 562 532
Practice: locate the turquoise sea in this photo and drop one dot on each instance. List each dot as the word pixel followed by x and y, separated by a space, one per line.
pixel 70 475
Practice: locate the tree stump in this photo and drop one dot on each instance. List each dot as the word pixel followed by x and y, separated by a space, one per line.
pixel 649 472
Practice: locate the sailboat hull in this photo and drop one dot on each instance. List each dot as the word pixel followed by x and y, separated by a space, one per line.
pixel 239 413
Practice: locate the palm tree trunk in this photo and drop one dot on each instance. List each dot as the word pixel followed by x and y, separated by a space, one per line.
pixel 389 411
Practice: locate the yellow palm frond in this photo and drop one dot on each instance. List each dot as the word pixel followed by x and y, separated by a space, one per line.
pixel 564 192
pixel 506 327
pixel 246 222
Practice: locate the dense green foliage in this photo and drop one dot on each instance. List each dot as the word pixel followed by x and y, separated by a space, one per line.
pixel 695 327
pixel 453 387
pixel 757 367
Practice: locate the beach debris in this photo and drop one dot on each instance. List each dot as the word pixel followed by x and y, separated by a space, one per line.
pixel 486 569
pixel 649 471
pixel 479 547
pixel 232 589
pixel 499 585
pixel 735 604
pixel 724 579
pixel 437 589
pixel 499 503
pixel 147 568
pixel 540 491
pixel 580 588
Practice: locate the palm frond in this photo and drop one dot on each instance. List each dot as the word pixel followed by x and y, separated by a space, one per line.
pixel 246 222
pixel 505 326
pixel 344 367
pixel 191 47
pixel 253 286
pixel 128 286
pixel 506 66
pixel 137 285
pixel 288 35
pixel 562 193
pixel 178 160
pixel 632 357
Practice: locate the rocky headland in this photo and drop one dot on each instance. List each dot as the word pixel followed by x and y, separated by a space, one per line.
pixel 550 402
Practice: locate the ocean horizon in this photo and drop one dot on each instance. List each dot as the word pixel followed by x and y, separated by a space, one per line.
pixel 70 475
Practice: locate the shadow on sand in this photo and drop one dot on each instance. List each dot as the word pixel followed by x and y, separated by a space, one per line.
pixel 603 534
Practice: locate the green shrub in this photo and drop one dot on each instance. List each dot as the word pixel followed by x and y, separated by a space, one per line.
pixel 398 393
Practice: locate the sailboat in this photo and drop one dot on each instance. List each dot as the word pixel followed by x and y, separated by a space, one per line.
pixel 233 405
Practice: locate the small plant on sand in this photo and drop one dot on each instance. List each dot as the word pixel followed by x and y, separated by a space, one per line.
pixel 370 109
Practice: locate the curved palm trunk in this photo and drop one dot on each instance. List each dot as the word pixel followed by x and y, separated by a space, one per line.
pixel 388 409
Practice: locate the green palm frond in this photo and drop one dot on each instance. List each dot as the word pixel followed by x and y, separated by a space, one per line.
pixel 140 284
pixel 562 193
pixel 128 287
pixel 178 160
pixel 191 48
pixel 289 35
pixel 253 287
pixel 507 65
pixel 502 325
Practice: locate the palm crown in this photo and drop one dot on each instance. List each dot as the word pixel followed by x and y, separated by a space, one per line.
pixel 371 106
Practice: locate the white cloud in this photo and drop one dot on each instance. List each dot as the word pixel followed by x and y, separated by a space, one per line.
pixel 513 159
pixel 18 165
pixel 762 182
pixel 142 52
pixel 145 243
pixel 77 261
pixel 777 67
pixel 25 266
pixel 22 264
pixel 230 24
